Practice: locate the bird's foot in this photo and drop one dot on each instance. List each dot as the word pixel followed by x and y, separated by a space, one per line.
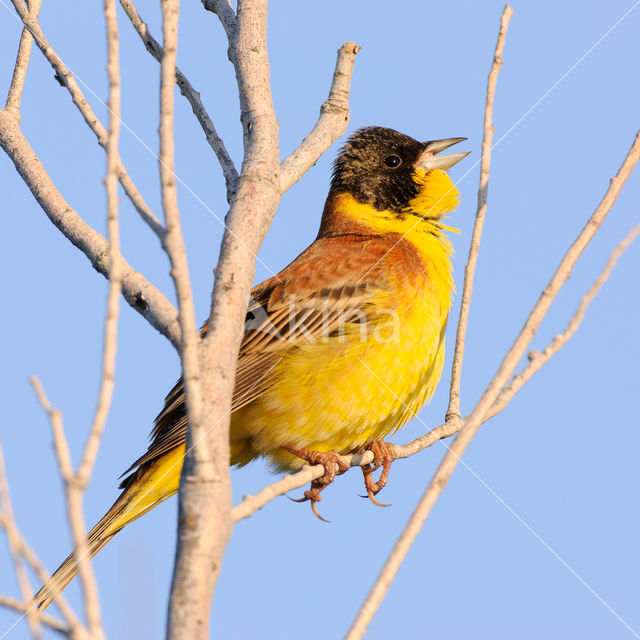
pixel 384 453
pixel 329 460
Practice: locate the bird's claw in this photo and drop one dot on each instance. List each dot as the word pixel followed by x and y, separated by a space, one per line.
pixel 383 455
pixel 329 460
pixel 372 498
pixel 312 495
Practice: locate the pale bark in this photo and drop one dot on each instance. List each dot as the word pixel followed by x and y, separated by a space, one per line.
pixel 137 291
pixel 453 412
pixel 14 97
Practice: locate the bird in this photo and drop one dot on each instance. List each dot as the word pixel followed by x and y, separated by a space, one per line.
pixel 341 348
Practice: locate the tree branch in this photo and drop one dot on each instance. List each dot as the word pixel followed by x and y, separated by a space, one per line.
pixel 137 291
pixel 113 234
pixel 538 358
pixel 67 79
pixel 44 618
pixel 22 62
pixel 75 513
pixel 33 561
pixel 215 142
pixel 332 123
pixel 13 540
pixel 453 412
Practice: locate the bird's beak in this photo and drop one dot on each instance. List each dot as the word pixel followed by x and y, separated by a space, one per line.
pixel 428 160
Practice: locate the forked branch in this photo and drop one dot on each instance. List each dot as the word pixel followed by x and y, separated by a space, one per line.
pixel 137 291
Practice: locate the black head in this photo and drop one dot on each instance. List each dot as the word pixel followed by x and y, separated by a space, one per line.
pixel 377 165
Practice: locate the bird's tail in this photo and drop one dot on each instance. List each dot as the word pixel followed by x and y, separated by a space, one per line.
pixel 143 490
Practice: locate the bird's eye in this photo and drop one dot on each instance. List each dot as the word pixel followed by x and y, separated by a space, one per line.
pixel 393 161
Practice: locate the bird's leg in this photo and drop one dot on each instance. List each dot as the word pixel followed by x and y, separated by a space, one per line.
pixel 329 460
pixel 384 454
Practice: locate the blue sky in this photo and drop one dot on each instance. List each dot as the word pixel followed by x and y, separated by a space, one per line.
pixel 538 535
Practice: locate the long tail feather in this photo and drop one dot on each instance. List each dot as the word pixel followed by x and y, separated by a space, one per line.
pixel 143 490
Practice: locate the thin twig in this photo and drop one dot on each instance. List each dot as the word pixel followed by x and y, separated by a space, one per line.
pixel 538 358
pixel 174 242
pixel 482 409
pixel 73 496
pixel 113 236
pixel 34 562
pixel 137 291
pixel 13 540
pixel 215 142
pixel 332 123
pixel 453 411
pixel 67 79
pixel 22 62
pixel 44 618
pixel 60 444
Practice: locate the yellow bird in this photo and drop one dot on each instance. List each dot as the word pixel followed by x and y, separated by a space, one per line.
pixel 342 347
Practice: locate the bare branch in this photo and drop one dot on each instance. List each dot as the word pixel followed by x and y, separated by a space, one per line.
pixel 482 409
pixel 485 162
pixel 50 621
pixel 227 16
pixel 536 358
pixel 215 142
pixel 34 562
pixel 73 496
pixel 13 540
pixel 32 559
pixel 250 504
pixel 332 123
pixel 67 79
pixel 22 62
pixel 25 551
pixel 113 235
pixel 137 291
pixel 174 241
pixel 60 444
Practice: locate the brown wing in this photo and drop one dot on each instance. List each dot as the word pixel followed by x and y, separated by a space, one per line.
pixel 328 285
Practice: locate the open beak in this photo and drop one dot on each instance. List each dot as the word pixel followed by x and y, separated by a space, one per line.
pixel 429 161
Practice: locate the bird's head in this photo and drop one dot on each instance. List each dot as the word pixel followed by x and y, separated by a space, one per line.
pixel 383 178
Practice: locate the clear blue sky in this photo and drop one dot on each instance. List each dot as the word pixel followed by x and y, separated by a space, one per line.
pixel 539 536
